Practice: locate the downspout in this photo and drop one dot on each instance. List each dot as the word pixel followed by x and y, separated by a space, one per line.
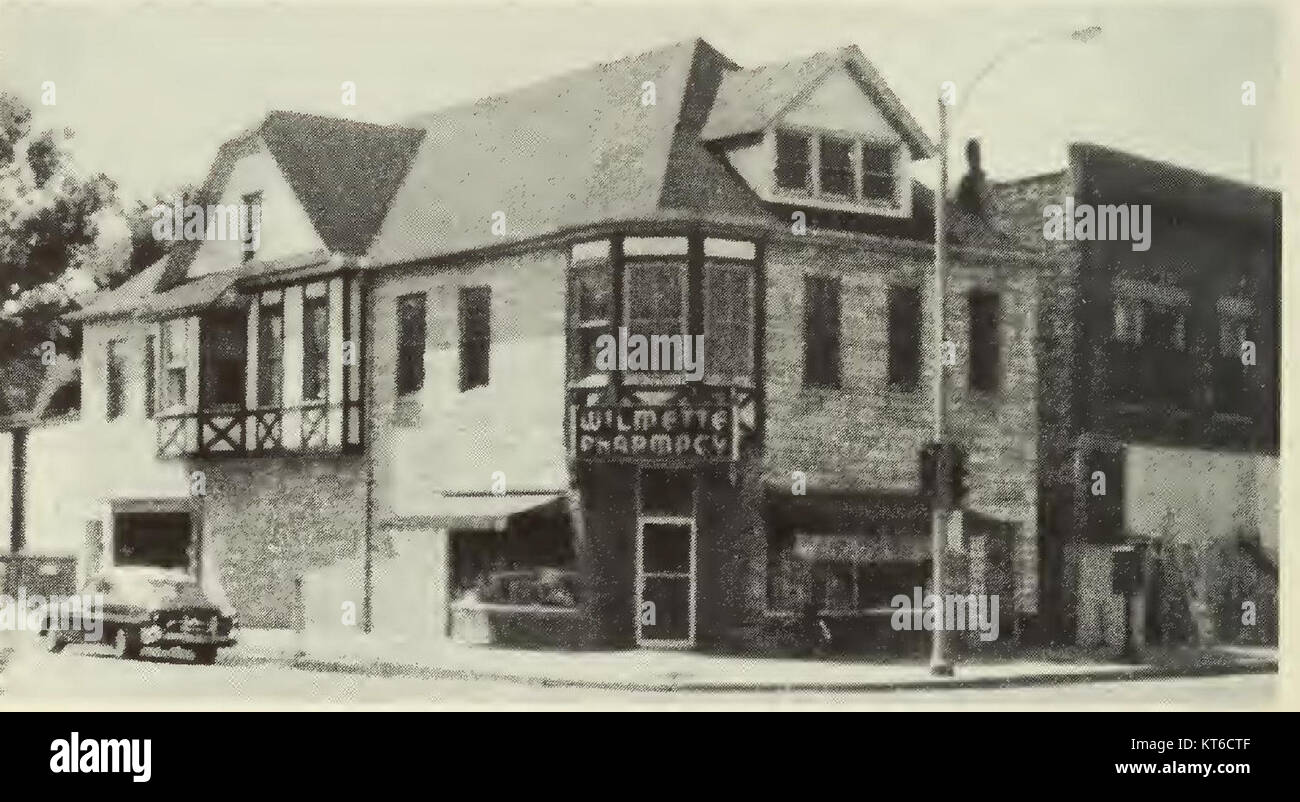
pixel 18 500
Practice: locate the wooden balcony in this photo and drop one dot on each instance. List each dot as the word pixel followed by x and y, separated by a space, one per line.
pixel 304 430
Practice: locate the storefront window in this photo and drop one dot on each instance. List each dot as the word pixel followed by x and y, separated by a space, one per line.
pixel 531 563
pixel 729 321
pixel 593 312
pixel 845 573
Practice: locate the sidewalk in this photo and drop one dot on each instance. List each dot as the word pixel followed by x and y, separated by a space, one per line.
pixel 646 670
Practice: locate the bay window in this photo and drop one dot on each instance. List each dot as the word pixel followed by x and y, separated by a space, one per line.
pixel 729 321
pixel 224 340
pixel 655 298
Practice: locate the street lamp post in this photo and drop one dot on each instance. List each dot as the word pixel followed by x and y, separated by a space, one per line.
pixel 941 506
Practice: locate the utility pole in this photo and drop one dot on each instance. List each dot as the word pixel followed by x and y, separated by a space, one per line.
pixel 939 665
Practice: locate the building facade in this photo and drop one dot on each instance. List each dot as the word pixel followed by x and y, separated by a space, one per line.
pixel 1159 377
pixel 392 405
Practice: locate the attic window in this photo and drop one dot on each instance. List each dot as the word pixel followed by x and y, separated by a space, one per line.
pixel 251 224
pixel 792 163
pixel 837 166
pixel 877 173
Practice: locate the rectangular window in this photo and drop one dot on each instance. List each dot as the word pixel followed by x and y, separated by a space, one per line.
pixel 475 304
pixel 150 376
pixel 251 220
pixel 656 298
pixel 270 355
pixel 792 160
pixel 878 173
pixel 315 347
pixel 984 341
pixel 837 166
pixel 175 362
pixel 410 343
pixel 821 365
pixel 728 321
pixel 904 337
pixel 224 351
pixel 593 312
pixel 114 391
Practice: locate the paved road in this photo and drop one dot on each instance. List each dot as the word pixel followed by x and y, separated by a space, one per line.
pixel 86 676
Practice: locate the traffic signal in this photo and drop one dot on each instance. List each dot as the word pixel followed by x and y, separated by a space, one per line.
pixel 929 470
pixel 959 487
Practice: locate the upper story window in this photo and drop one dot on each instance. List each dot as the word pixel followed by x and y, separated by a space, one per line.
pixel 175 362
pixel 270 351
pixel 904 337
pixel 879 176
pixel 1128 322
pixel 793 164
pixel 410 343
pixel 985 343
pixel 729 321
pixel 475 306
pixel 821 364
pixel 315 343
pixel 251 221
pixel 837 167
pixel 224 339
pixel 656 298
pixel 114 386
pixel 592 287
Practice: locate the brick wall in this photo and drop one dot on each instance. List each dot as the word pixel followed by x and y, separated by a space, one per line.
pixel 865 435
pixel 270 521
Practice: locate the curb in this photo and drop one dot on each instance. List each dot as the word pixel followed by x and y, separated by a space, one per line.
pixel 389 669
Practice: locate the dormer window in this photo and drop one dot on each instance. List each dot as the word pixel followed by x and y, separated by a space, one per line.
pixel 792 161
pixel 837 167
pixel 878 176
pixel 840 169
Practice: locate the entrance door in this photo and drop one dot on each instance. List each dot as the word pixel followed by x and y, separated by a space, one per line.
pixel 665 558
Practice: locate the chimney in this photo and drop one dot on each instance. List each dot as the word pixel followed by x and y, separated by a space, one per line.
pixel 970 192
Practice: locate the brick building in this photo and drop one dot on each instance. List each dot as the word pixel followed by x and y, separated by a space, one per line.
pixel 391 400
pixel 1158 369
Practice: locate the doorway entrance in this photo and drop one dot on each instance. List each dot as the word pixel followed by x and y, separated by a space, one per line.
pixel 666 535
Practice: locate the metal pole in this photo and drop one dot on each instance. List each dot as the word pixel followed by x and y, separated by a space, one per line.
pixel 939 664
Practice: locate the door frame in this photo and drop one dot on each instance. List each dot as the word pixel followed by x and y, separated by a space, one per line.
pixel 639 566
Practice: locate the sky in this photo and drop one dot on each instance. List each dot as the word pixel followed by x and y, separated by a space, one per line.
pixel 152 90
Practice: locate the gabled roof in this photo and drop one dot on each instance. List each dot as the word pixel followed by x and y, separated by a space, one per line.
pixel 751 100
pixel 344 172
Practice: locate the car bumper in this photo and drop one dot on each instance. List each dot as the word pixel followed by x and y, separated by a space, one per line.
pixel 169 639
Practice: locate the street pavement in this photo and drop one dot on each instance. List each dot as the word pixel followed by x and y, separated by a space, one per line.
pixel 88 677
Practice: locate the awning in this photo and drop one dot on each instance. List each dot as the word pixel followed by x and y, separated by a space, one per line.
pixel 490 513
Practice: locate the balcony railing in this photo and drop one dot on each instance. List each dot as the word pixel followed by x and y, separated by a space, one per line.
pixel 308 429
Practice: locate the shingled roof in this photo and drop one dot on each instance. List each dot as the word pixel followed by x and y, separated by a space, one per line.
pixel 574 150
pixel 751 100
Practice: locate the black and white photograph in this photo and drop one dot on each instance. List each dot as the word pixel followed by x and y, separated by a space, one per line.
pixel 650 356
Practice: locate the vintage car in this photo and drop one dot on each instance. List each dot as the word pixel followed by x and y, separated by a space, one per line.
pixel 154 607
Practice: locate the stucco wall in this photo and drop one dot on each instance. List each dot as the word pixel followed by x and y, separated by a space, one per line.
pixel 443 439
pixel 1205 493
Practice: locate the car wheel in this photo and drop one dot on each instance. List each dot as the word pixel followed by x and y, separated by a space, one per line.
pixel 126 643
pixel 53 640
pixel 206 655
